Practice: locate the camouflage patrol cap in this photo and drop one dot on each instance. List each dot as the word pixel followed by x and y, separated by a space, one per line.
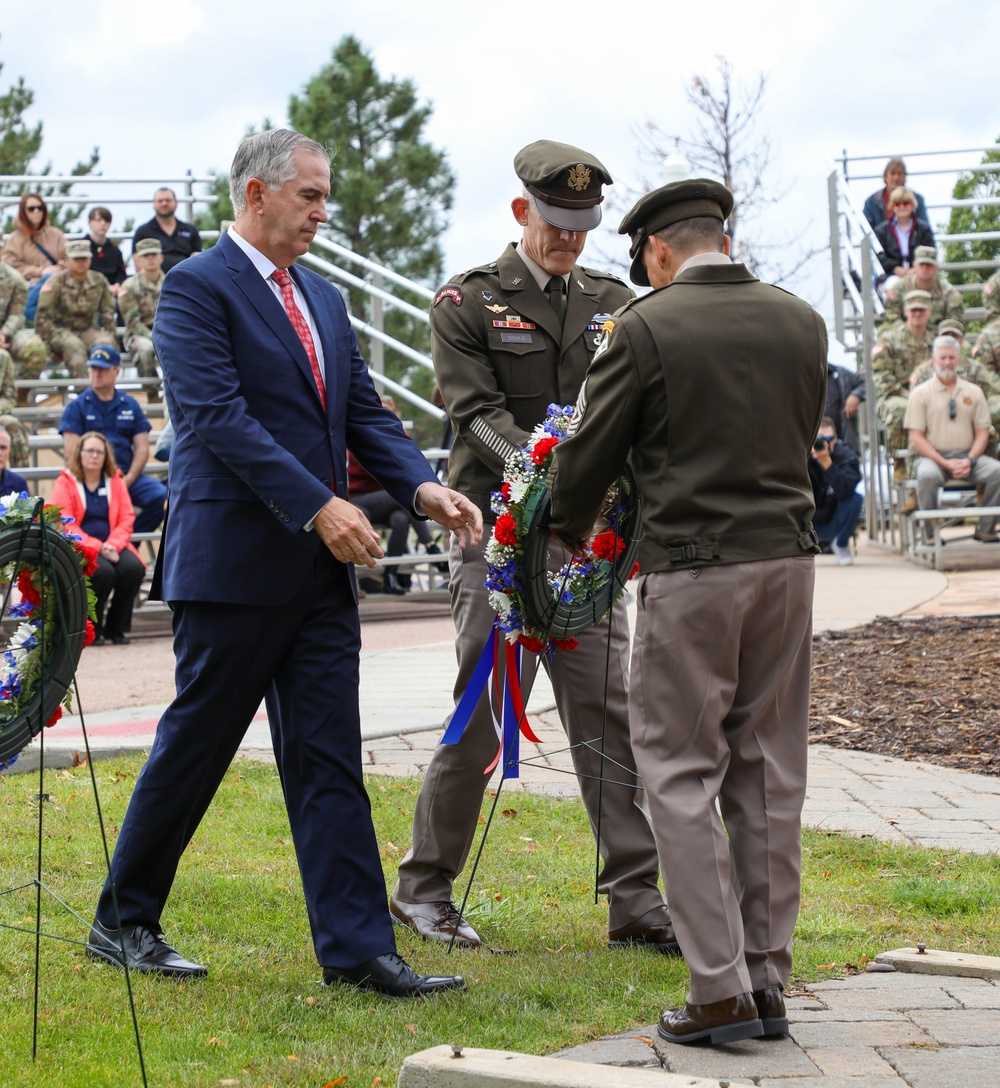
pixel 146 246
pixel 565 182
pixel 78 249
pixel 917 300
pixel 951 327
pixel 689 199
pixel 925 255
pixel 104 357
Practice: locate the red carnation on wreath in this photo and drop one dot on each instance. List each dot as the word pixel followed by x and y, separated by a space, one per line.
pixel 55 717
pixel 607 545
pixel 89 633
pixel 534 645
pixel 26 587
pixel 90 554
pixel 565 643
pixel 505 490
pixel 506 530
pixel 543 447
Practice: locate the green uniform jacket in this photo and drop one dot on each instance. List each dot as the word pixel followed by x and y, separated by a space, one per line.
pixel 716 385
pixel 946 302
pixel 500 360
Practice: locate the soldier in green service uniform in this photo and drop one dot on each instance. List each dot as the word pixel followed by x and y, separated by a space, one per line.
pixel 714 385
pixel 22 346
pixel 76 311
pixel 900 349
pixel 137 303
pixel 509 338
pixel 946 302
pixel 987 347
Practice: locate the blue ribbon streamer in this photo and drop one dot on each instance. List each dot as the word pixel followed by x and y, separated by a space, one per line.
pixel 470 697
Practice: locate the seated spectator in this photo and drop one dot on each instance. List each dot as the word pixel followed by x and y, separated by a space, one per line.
pixel 987 347
pixel 105 256
pixel 91 490
pixel 177 238
pixel 969 368
pixel 9 481
pixel 137 303
pixel 23 347
pixel 878 207
pixel 949 425
pixel 835 472
pixel 946 302
pixel 35 248
pixel 76 311
pixel 19 450
pixel 104 409
pixel 899 350
pixel 382 510
pixel 900 235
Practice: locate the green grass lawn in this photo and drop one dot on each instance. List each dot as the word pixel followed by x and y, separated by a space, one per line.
pixel 262 1017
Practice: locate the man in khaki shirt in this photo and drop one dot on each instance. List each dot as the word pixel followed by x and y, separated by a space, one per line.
pixel 949 424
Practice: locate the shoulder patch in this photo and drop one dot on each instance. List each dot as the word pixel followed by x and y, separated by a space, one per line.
pixel 454 293
pixel 46 287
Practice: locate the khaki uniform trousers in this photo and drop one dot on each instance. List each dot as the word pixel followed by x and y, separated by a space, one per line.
pixel 140 348
pixel 719 707
pixel 450 799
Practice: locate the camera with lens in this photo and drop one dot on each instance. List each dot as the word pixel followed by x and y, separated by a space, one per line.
pixel 821 442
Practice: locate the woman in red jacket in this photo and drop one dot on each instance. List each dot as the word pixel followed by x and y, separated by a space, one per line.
pixel 91 489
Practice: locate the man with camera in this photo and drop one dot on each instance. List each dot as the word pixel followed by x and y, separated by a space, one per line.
pixel 834 472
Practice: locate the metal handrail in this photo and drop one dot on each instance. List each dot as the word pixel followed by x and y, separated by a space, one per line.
pixel 372 266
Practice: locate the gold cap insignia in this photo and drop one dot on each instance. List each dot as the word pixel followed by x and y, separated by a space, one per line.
pixel 579 177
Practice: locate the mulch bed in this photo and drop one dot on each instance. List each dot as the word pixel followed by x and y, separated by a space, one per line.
pixel 921 689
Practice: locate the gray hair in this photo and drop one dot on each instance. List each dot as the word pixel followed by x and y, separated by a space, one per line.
pixel 946 341
pixel 4 431
pixel 270 158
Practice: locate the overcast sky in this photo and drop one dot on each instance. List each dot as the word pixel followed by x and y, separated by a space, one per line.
pixel 167 87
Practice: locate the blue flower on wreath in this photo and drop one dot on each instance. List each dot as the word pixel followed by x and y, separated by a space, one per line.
pixel 21 610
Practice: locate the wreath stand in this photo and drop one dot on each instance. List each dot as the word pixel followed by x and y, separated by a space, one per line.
pixel 557 619
pixel 37 545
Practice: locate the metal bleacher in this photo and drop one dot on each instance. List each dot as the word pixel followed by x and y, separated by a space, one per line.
pixel 43 400
pixel 858 310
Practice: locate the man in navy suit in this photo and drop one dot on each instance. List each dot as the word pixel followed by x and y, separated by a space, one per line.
pixel 267 389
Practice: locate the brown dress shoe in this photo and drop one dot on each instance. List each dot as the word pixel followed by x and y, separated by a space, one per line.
pixel 651 930
pixel 435 922
pixel 719 1022
pixel 771 1010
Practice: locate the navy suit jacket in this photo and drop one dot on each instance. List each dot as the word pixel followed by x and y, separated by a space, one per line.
pixel 255 456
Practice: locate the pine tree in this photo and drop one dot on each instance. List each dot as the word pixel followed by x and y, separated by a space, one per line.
pixel 977 218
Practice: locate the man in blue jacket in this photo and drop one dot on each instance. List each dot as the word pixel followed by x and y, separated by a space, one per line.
pixel 835 472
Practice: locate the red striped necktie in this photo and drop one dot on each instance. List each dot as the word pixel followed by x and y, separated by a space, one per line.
pixel 301 327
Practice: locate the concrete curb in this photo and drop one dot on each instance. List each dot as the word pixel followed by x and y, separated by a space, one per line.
pixel 935 962
pixel 441 1067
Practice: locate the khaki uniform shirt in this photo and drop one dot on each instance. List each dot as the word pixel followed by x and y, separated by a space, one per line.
pixel 65 303
pixel 13 299
pixel 501 359
pixel 929 410
pixel 137 304
pixel 945 302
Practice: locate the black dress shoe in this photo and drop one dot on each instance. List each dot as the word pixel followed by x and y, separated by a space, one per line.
pixel 719 1022
pixel 145 951
pixel 119 639
pixel 771 1010
pixel 393 976
pixel 652 930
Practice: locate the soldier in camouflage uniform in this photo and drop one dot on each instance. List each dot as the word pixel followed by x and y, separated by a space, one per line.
pixel 17 344
pixel 969 368
pixel 76 311
pixel 987 347
pixel 137 303
pixel 900 349
pixel 13 426
pixel 946 302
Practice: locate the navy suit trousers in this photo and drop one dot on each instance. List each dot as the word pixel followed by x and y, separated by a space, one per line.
pixel 302 657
